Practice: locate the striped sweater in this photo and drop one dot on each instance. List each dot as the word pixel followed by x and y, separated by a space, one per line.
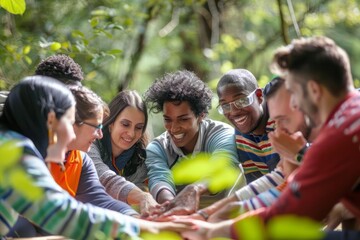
pixel 57 212
pixel 256 154
pixel 261 192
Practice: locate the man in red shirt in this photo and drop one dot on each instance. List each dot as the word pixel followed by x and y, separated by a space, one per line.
pixel 318 76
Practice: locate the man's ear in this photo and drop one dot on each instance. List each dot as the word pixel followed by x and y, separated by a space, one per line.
pixel 314 90
pixel 201 117
pixel 259 94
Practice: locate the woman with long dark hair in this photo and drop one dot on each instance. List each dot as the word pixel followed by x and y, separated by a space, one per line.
pixel 119 156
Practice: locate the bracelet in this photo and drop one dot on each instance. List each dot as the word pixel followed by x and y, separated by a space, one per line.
pixel 300 155
pixel 203 214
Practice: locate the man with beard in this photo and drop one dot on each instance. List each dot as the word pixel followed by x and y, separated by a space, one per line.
pixel 318 76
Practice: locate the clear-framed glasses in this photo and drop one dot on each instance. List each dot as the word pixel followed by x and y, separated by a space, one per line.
pixel 239 103
pixel 97 127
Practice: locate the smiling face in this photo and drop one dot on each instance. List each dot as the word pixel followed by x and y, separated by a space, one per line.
pixel 300 99
pixel 126 130
pixel 182 125
pixel 87 134
pixel 244 119
pixel 287 118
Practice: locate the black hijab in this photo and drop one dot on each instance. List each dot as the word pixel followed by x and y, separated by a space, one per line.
pixel 28 104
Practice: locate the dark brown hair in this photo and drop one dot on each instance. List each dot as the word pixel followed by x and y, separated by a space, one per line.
pixel 315 58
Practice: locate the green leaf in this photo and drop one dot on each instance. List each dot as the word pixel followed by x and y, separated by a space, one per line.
pixel 26 49
pixel 20 181
pixel 55 46
pixel 14 6
pixel 165 235
pixel 294 227
pixel 207 167
pixel 250 228
pixel 114 51
pixel 10 153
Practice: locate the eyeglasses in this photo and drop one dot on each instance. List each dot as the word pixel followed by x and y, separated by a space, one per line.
pixel 98 127
pixel 239 103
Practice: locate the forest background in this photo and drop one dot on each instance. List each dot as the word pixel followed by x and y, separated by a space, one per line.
pixel 129 43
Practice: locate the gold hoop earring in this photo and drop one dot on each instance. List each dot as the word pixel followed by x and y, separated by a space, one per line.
pixel 52 136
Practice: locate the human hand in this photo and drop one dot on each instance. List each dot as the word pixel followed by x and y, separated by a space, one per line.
pixel 185 203
pixel 287 145
pixel 225 213
pixel 147 205
pixel 338 214
pixel 156 227
pixel 206 230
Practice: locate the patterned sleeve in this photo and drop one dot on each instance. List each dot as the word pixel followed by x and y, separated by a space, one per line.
pixel 58 213
pixel 117 186
pixel 263 199
pixel 260 185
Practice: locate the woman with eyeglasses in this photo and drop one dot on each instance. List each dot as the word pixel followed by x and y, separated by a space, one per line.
pixel 78 175
pixel 120 155
pixel 38 117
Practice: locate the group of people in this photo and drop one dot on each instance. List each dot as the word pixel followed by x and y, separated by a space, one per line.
pixel 295 144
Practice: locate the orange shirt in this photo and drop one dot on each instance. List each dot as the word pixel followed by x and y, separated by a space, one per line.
pixel 69 179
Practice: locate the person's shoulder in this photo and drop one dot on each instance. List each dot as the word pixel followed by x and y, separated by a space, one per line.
pixel 215 125
pixel 163 138
pixel 19 141
pixel 347 113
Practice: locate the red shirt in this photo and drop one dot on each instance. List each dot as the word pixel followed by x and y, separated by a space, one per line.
pixel 330 171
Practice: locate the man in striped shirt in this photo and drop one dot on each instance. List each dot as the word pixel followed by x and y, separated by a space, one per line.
pixel 242 103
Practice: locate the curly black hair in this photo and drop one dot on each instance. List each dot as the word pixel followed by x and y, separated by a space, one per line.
pixel 61 67
pixel 179 86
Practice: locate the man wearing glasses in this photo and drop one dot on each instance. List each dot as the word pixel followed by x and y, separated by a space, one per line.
pixel 242 102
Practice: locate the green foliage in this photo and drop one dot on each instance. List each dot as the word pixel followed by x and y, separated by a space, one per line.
pixel 280 227
pixel 165 235
pixel 216 169
pixel 11 173
pixel 13 6
pixel 294 227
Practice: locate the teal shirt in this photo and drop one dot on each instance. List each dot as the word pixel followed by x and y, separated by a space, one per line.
pixel 162 154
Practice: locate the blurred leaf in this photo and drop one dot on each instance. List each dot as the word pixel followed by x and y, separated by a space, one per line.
pixel 28 60
pixel 55 46
pixel 223 179
pixel 14 6
pixel 250 228
pixel 77 33
pixel 294 227
pixel 14 176
pixel 165 235
pixel 10 154
pixel 19 180
pixel 26 49
pixel 216 169
pixel 114 51
pixel 94 22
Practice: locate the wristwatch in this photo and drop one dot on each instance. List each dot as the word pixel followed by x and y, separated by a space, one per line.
pixel 299 156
